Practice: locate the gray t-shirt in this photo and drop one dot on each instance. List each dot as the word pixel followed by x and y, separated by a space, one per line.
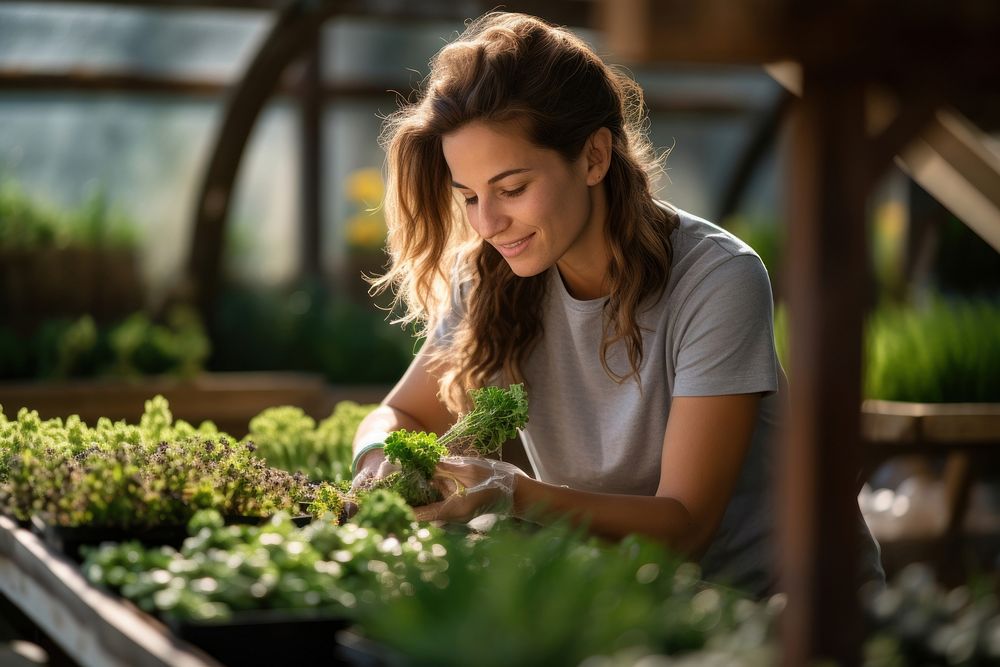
pixel 710 333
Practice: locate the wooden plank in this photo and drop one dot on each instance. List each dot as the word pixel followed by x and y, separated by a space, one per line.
pixel 241 5
pixel 750 31
pixel 228 399
pixel 93 80
pixel 948 424
pixel 820 453
pixel 92 626
pixel 701 103
pixel 953 43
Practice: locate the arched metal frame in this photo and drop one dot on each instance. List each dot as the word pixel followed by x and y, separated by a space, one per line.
pixel 296 30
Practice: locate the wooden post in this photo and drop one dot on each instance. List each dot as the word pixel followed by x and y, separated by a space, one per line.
pixel 312 159
pixel 826 274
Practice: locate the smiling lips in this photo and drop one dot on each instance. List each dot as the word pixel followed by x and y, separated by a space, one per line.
pixel 513 249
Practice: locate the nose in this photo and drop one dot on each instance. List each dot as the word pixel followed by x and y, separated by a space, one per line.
pixel 491 218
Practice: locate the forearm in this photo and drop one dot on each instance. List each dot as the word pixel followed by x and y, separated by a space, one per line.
pixel 612 516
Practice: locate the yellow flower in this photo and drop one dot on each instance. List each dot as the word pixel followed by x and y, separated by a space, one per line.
pixel 366 186
pixel 366 231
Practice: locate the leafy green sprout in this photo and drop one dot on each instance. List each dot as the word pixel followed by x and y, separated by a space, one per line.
pixel 496 416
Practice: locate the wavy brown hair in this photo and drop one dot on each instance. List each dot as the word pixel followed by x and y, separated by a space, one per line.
pixel 511 67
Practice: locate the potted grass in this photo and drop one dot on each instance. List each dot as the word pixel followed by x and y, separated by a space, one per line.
pixel 932 388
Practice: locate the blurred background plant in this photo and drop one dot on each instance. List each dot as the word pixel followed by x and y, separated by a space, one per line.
pixel 308 327
pixel 26 223
pixel 63 348
pixel 65 262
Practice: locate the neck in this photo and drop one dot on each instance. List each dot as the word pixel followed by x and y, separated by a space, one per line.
pixel 585 271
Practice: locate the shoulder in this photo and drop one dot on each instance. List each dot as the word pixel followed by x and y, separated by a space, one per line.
pixel 695 236
pixel 707 258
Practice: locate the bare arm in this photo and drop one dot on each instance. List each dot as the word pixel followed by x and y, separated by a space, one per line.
pixel 704 446
pixel 412 404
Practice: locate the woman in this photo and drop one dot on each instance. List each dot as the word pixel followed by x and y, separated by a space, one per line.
pixel 525 238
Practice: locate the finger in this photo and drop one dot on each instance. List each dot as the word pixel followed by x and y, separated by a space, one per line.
pixel 450 484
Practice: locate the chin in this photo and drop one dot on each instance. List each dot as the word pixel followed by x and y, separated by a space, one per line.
pixel 525 269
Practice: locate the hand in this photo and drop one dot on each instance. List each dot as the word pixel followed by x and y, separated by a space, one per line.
pixel 372 466
pixel 471 486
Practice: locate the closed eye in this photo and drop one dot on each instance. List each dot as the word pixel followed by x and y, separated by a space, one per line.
pixel 470 201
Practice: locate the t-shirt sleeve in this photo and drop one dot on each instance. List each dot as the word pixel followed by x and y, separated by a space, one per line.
pixel 724 334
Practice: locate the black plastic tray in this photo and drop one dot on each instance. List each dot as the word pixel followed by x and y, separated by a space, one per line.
pixel 265 638
pixel 69 539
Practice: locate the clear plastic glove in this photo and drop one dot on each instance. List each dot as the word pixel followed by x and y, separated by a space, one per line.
pixel 367 474
pixel 374 467
pixel 471 486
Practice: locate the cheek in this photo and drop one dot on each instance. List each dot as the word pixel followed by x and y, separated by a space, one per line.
pixel 546 202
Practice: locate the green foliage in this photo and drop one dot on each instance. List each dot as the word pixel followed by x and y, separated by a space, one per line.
pixel 945 351
pixel 916 621
pixel 416 451
pixel 417 454
pixel 781 337
pixel 26 223
pixel 385 511
pixel 219 571
pixel 136 346
pixel 142 347
pixel 207 518
pixel 512 597
pixel 551 597
pixel 121 475
pixel 334 438
pixel 328 501
pixel 311 329
pixel 766 237
pixel 291 440
pixel 495 418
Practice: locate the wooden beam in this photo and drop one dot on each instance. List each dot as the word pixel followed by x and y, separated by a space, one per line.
pixel 142 83
pixel 311 151
pixel 92 626
pixel 955 41
pixel 294 27
pixel 81 80
pixel 826 280
pixel 267 5
pixel 564 12
pixel 717 31
pixel 950 160
pixel 939 149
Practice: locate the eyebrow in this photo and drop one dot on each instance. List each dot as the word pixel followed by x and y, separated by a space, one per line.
pixel 500 176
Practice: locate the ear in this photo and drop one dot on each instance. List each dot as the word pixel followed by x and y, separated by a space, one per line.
pixel 598 152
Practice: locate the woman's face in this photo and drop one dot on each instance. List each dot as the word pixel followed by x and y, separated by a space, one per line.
pixel 535 208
